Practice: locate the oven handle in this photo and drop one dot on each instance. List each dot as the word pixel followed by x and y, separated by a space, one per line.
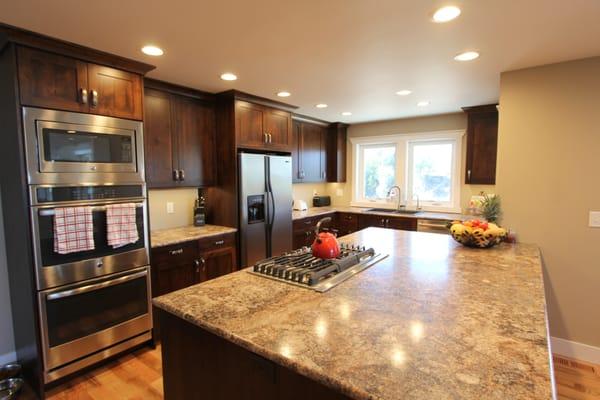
pixel 49 212
pixel 96 286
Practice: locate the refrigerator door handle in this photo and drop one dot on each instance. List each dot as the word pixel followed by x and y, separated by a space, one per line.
pixel 270 206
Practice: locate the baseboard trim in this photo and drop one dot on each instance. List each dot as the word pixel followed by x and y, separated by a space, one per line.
pixel 8 358
pixel 578 351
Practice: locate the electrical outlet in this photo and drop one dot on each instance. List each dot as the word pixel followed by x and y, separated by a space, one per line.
pixel 339 192
pixel 595 219
pixel 170 207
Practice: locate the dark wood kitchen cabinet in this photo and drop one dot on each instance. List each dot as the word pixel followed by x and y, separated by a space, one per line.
pixel 482 144
pixel 310 148
pixel 261 127
pixel 382 221
pixel 60 82
pixel 336 152
pixel 346 223
pixel 179 140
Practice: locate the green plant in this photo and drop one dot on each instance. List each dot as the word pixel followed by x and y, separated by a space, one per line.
pixel 491 208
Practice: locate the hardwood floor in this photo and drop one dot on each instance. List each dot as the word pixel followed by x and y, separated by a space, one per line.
pixel 576 380
pixel 138 376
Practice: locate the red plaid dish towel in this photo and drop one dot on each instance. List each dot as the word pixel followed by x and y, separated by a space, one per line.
pixel 73 229
pixel 121 225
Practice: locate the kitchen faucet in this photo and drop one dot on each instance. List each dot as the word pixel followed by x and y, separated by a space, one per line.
pixel 399 195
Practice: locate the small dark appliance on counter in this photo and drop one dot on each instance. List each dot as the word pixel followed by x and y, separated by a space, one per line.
pixel 321 201
pixel 200 210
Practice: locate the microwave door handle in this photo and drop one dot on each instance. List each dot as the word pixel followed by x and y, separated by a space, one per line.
pixel 96 286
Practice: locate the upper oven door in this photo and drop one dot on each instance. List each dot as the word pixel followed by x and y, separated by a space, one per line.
pixel 54 269
pixel 65 147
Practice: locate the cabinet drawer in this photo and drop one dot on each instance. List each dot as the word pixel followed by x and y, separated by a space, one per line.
pixel 304 224
pixel 405 224
pixel 346 223
pixel 177 253
pixel 217 242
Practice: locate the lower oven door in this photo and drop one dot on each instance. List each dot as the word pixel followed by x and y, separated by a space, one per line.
pixel 79 320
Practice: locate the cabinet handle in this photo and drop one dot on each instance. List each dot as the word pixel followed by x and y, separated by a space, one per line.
pixel 203 261
pixel 175 252
pixel 266 137
pixel 181 175
pixel 197 264
pixel 175 175
pixel 270 138
pixel 94 98
pixel 469 175
pixel 83 96
pixel 219 242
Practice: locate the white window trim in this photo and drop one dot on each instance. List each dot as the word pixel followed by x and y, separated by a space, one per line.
pixel 402 142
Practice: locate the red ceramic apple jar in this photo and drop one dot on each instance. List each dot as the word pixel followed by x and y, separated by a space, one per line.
pixel 325 244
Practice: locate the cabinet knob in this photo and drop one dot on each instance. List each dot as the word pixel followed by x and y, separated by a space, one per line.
pixel 94 98
pixel 83 96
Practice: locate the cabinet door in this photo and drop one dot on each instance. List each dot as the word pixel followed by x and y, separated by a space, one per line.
pixel 278 125
pixel 366 221
pixel 174 277
pixel 401 223
pixel 323 154
pixel 310 153
pixel 346 223
pixel 217 263
pixel 51 81
pixel 158 139
pixel 296 166
pixel 174 267
pixel 482 146
pixel 249 127
pixel 194 123
pixel 114 92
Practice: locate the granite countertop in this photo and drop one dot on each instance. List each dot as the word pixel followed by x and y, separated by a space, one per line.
pixel 434 320
pixel 165 237
pixel 316 211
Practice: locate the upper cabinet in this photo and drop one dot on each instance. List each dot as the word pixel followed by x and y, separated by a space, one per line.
pixel 310 151
pixel 179 137
pixel 60 82
pixel 482 144
pixel 261 127
pixel 319 151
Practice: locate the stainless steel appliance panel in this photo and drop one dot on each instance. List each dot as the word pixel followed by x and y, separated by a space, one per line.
pixel 99 161
pixel 433 226
pixel 54 270
pixel 280 204
pixel 79 320
pixel 253 200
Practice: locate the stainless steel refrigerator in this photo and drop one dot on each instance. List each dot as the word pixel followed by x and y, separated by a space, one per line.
pixel 265 206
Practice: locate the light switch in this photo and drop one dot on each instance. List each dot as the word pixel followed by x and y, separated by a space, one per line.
pixel 595 219
pixel 170 207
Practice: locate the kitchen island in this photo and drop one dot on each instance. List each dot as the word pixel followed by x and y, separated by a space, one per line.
pixel 434 320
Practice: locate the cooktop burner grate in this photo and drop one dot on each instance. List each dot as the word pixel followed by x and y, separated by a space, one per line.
pixel 301 268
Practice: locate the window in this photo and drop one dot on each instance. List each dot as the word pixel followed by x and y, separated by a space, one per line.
pixel 430 172
pixel 425 166
pixel 378 170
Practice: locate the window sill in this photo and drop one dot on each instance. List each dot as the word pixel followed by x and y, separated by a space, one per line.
pixel 424 208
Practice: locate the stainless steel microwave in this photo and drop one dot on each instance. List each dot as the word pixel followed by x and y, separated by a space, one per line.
pixel 73 148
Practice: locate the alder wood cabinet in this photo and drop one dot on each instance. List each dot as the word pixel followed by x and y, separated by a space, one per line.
pixel 50 80
pixel 262 127
pixel 185 264
pixel 482 144
pixel 381 221
pixel 179 138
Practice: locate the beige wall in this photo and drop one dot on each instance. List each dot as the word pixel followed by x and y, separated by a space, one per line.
pixel 183 201
pixel 549 161
pixel 305 191
pixel 454 121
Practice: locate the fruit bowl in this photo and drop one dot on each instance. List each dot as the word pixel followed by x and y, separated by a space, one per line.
pixel 476 233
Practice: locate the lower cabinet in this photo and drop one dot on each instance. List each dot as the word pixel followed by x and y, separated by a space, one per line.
pixel 346 223
pixel 401 223
pixel 185 264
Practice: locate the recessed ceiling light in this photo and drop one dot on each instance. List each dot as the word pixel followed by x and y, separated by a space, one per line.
pixel 403 92
pixel 423 103
pixel 152 51
pixel 284 94
pixel 346 113
pixel 467 56
pixel 321 105
pixel 446 14
pixel 228 76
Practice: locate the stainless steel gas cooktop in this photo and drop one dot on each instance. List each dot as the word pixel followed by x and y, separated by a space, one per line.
pixel 301 268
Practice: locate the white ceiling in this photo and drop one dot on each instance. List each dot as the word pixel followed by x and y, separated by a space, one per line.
pixel 351 54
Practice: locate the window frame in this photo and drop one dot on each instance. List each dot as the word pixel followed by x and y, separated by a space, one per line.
pixel 361 166
pixel 403 157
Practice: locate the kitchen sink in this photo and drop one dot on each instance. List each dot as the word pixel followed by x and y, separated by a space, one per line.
pixel 387 210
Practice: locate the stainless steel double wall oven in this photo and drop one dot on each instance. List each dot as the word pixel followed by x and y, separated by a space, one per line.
pixel 93 303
